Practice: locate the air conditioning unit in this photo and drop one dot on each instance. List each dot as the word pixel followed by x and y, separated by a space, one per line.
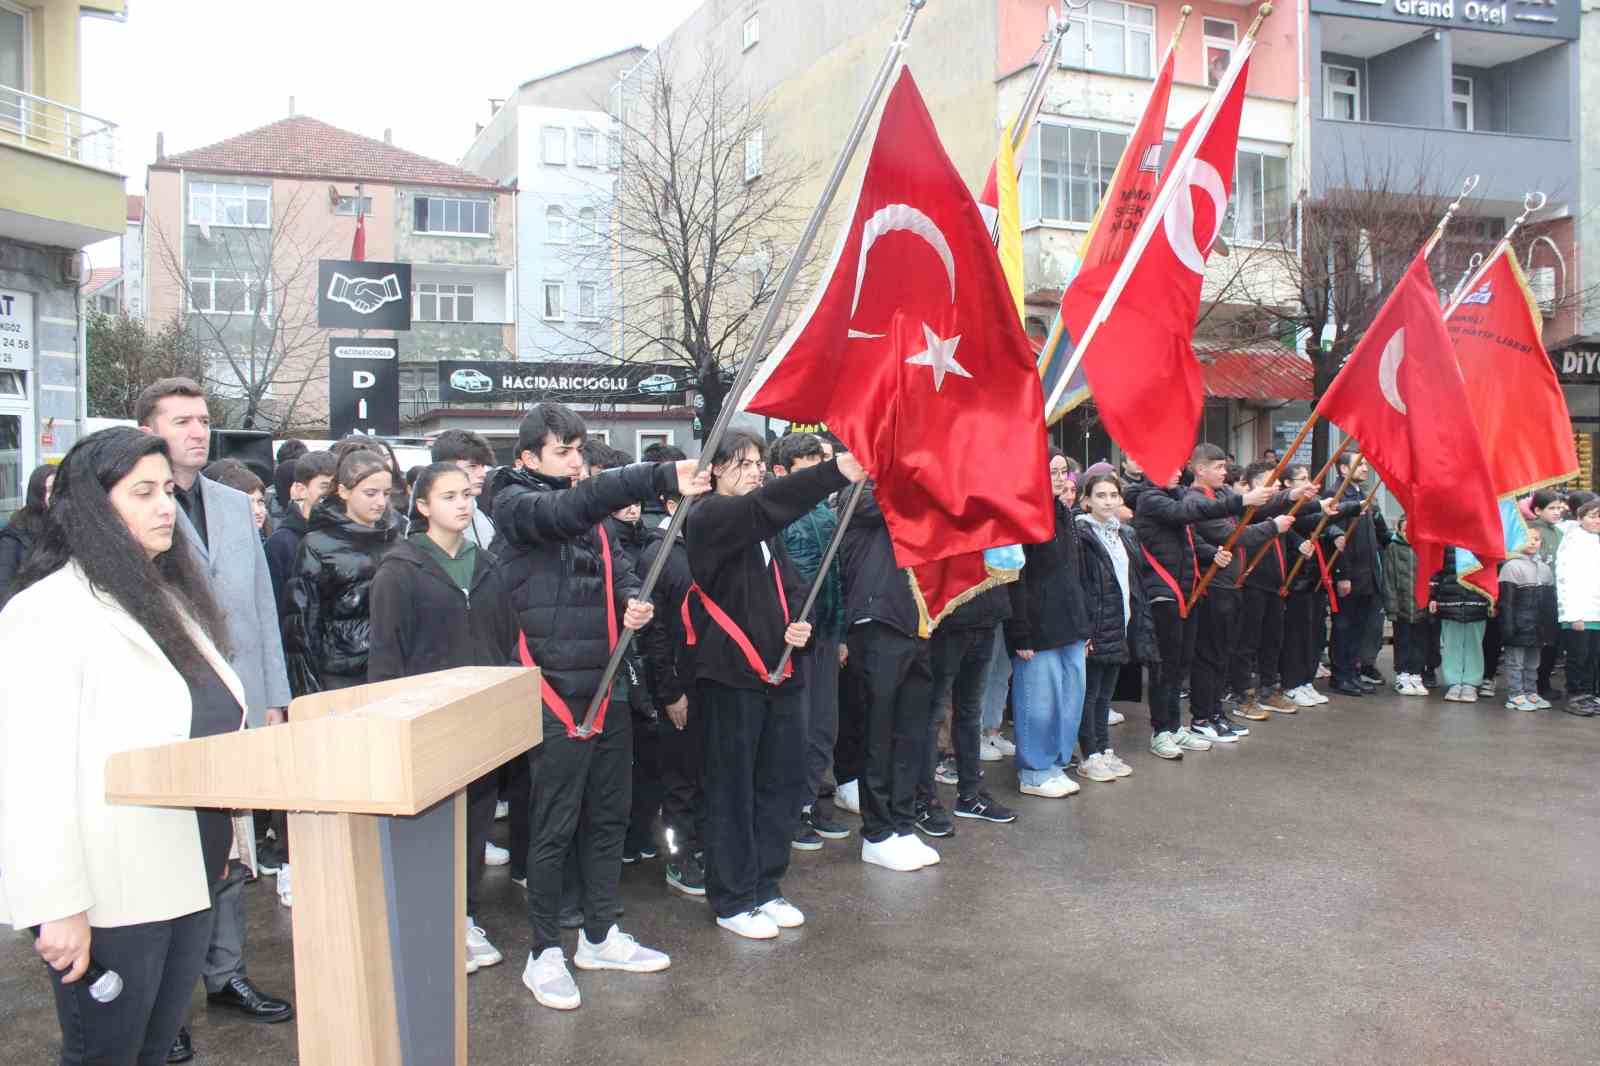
pixel 72 268
pixel 1542 283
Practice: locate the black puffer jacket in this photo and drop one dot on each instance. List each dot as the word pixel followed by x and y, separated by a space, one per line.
pixel 1210 535
pixel 1364 538
pixel 1047 608
pixel 1162 522
pixel 283 548
pixel 984 611
pixel 15 544
pixel 668 659
pixel 326 613
pixel 549 550
pixel 875 586
pixel 1113 636
pixel 1456 602
pixel 421 622
pixel 1527 607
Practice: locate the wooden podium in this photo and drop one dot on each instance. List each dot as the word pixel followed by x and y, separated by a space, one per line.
pixel 374 778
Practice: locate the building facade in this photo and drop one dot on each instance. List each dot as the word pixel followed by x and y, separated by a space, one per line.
pixel 234 231
pixel 61 189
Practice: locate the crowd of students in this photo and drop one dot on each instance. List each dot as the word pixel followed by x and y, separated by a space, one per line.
pixel 704 746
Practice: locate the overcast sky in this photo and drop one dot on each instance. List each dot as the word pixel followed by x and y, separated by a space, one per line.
pixel 203 70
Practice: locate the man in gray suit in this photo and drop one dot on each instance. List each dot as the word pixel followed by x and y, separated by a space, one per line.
pixel 216 523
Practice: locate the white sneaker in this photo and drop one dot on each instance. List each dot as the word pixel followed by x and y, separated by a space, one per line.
pixel 989 751
pixel 547 977
pixel 285 888
pixel 1094 768
pixel 1300 697
pixel 618 951
pixel 888 853
pixel 1189 740
pixel 1118 767
pixel 479 951
pixel 1053 788
pixel 847 797
pixel 1007 748
pixel 1116 717
pixel 1164 745
pixel 502 811
pixel 494 854
pixel 913 846
pixel 752 925
pixel 784 915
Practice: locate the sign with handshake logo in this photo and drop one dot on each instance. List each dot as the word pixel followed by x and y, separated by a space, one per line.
pixel 363 295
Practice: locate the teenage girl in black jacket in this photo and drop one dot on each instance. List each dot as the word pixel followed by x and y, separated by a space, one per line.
pixel 439 603
pixel 327 626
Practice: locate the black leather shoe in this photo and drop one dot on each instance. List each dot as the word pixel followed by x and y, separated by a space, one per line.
pixel 240 995
pixel 1344 688
pixel 182 1049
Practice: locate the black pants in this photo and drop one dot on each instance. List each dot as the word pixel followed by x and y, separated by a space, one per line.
pixel 648 788
pixel 1297 657
pixel 682 755
pixel 897 690
pixel 159 963
pixel 1215 619
pixel 482 795
pixel 581 789
pixel 1094 728
pixel 515 783
pixel 1349 632
pixel 1165 714
pixel 959 661
pixel 850 747
pixel 1493 639
pixel 1583 661
pixel 1547 666
pixel 1411 640
pixel 1260 639
pixel 755 762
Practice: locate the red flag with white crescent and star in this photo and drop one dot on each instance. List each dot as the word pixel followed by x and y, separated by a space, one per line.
pixel 1401 394
pixel 1140 364
pixel 911 351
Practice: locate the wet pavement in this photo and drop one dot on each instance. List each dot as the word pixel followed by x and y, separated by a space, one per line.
pixel 1388 880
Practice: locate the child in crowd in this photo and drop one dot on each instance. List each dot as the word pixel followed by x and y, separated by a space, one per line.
pixel 1413 627
pixel 235 475
pixel 1547 509
pixel 1578 603
pixel 1463 615
pixel 1527 612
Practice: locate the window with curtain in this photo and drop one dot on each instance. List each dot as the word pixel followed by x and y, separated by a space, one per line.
pixel 555 225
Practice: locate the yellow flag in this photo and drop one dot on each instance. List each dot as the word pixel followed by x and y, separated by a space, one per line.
pixel 1009 241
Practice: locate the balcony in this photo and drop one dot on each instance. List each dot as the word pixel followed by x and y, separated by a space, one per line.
pixel 62 187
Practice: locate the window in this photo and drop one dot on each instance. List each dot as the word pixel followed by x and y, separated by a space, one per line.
pixel 555 225
pixel 444 303
pixel 588 227
pixel 347 205
pixel 224 292
pixel 613 151
pixel 649 438
pixel 215 204
pixel 552 301
pixel 1341 93
pixel 553 146
pixel 1220 37
pixel 585 146
pixel 1461 116
pixel 752 31
pixel 443 214
pixel 1258 208
pixel 1114 37
pixel 588 301
pixel 1067 171
pixel 11 385
pixel 752 155
pixel 16 51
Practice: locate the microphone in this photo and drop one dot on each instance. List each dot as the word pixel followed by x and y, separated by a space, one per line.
pixel 104 985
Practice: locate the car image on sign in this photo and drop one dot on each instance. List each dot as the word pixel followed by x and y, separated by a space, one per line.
pixel 659 383
pixel 471 381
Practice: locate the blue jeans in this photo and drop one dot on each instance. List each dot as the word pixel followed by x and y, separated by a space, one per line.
pixel 1047 704
pixel 995 683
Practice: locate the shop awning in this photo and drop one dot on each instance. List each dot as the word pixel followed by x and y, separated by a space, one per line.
pixel 1234 371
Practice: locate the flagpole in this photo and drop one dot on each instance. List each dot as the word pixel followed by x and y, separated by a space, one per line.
pixel 1294 509
pixel 1344 483
pixel 1528 208
pixel 1450 212
pixel 1366 505
pixel 758 347
pixel 1154 217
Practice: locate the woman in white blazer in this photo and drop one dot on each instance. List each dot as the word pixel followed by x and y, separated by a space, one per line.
pixel 111 643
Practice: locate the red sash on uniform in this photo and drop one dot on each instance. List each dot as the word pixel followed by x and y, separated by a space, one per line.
pixel 1327 580
pixel 552 699
pixel 726 623
pixel 1168 580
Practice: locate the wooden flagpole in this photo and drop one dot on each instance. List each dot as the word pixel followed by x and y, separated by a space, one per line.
pixel 1366 505
pixel 1344 483
pixel 1317 479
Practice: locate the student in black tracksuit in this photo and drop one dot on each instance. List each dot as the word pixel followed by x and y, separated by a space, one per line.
pixel 438 603
pixel 889 672
pixel 669 675
pixel 1164 522
pixel 569 590
pixel 959 654
pixel 1357 582
pixel 743 609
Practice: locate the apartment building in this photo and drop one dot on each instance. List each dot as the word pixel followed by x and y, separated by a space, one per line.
pixel 234 231
pixel 61 189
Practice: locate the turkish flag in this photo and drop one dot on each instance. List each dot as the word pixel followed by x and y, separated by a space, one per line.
pixel 1401 395
pixel 911 351
pixel 358 244
pixel 1140 364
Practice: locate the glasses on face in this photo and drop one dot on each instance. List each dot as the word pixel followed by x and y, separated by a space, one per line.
pixel 1059 475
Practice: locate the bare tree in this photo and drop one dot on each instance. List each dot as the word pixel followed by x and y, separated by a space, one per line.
pixel 124 356
pixel 251 307
pixel 696 228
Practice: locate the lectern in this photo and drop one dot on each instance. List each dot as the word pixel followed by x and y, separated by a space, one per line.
pixel 373 777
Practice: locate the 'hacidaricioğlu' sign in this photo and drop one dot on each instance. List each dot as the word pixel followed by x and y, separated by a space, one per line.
pixel 1534 18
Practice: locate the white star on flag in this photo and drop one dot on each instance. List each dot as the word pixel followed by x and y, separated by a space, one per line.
pixel 940 355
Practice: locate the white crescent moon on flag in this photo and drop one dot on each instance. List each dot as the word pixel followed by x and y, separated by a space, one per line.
pixel 1394 353
pixel 902 217
pixel 1179 218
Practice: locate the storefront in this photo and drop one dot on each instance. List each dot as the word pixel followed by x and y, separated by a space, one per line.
pixel 18 380
pixel 1577 365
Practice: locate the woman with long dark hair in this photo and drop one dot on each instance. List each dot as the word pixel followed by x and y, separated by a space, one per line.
pixel 16 540
pixel 145 664
pixel 327 623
